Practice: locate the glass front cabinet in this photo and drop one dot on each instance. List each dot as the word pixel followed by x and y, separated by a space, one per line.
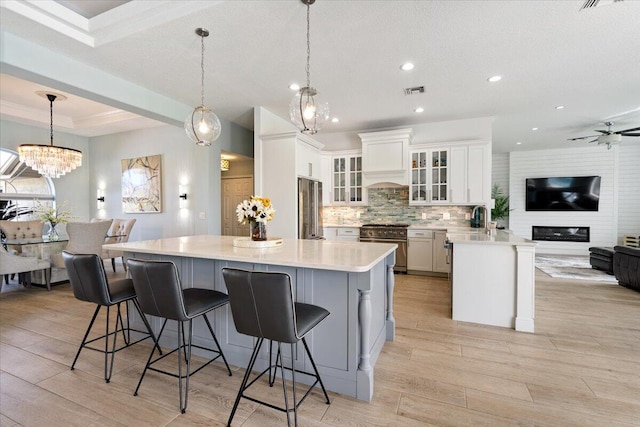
pixel 429 176
pixel 347 181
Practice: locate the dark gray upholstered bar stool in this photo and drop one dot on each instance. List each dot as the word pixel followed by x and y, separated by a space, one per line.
pixel 160 294
pixel 89 283
pixel 263 306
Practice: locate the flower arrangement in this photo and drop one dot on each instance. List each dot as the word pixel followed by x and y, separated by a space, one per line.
pixel 256 209
pixel 48 213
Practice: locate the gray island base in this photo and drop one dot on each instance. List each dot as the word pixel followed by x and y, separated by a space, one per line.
pixel 354 281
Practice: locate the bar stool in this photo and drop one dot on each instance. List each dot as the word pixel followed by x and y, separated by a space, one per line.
pixel 160 294
pixel 89 283
pixel 263 307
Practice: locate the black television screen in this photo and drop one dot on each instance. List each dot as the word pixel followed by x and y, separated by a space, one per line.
pixel 576 193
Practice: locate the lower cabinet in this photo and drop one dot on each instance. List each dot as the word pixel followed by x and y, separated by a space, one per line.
pixel 329 233
pixel 426 251
pixel 348 234
pixel 420 250
pixel 440 259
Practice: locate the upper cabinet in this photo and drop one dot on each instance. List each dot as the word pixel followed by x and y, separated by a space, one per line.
pixel 429 176
pixel 459 173
pixel 342 176
pixel 308 163
pixel 385 156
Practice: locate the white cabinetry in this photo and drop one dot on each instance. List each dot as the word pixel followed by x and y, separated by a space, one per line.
pixel 348 234
pixel 429 176
pixel 440 258
pixel 330 233
pixel 347 180
pixel 385 156
pixel 420 250
pixel 282 158
pixel 471 174
pixel 308 159
pixel 457 174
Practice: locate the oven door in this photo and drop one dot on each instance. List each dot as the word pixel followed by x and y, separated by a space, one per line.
pixel 401 252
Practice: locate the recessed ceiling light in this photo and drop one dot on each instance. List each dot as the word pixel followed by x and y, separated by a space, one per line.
pixel 518 143
pixel 407 66
pixel 559 107
pixel 534 129
pixel 335 120
pixel 494 79
pixel 419 110
pixel 294 86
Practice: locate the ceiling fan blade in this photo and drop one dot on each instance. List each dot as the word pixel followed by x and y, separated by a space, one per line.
pixel 628 134
pixel 606 132
pixel 622 132
pixel 583 137
pixel 595 140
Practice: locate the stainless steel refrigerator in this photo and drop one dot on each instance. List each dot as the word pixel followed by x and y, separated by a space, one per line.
pixel 309 209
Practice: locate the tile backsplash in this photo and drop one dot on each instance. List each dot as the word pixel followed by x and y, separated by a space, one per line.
pixel 391 205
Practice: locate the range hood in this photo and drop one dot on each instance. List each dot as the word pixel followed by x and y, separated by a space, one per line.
pixel 387 184
pixel 385 157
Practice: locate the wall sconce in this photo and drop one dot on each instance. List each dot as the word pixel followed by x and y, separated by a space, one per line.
pixel 224 165
pixel 182 194
pixel 100 199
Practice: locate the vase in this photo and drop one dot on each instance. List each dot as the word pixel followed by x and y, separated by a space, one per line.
pixel 258 231
pixel 53 233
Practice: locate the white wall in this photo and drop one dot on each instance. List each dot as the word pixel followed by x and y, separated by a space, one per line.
pixel 500 171
pixel 183 164
pixel 565 162
pixel 629 189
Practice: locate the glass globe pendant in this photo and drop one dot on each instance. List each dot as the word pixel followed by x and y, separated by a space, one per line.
pixel 307 110
pixel 202 125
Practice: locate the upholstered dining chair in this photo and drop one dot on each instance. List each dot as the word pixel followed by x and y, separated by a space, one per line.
pixel 84 238
pixel 15 230
pixel 12 264
pixel 118 233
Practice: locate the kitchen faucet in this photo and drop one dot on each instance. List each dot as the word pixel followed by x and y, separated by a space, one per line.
pixel 485 219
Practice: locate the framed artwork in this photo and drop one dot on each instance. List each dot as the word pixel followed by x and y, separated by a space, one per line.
pixel 142 184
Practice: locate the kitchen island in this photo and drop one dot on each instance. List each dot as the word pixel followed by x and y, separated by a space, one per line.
pixel 354 281
pixel 493 279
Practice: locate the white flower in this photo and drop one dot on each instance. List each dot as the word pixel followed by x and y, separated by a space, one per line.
pixel 257 209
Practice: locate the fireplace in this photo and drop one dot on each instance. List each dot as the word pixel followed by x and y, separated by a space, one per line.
pixel 560 234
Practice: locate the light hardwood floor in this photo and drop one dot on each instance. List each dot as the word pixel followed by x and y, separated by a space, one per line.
pixel 580 368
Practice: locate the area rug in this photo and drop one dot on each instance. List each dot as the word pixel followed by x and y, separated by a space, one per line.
pixel 571 267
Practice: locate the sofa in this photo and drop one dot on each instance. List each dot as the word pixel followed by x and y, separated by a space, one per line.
pixel 601 259
pixel 626 266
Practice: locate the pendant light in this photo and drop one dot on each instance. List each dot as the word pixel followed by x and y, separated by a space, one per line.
pixel 306 110
pixel 49 160
pixel 202 125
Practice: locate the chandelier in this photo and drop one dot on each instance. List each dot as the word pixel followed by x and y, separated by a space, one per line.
pixel 202 125
pixel 306 110
pixel 50 161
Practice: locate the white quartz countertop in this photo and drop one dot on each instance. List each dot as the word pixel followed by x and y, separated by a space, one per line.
pixel 499 238
pixel 317 254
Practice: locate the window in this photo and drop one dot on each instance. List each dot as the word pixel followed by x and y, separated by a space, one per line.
pixel 20 187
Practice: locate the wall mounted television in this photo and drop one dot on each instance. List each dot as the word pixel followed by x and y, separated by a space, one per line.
pixel 576 193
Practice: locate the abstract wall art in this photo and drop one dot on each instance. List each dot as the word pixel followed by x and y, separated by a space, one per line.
pixel 142 184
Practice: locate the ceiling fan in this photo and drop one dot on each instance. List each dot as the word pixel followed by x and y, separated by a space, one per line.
pixel 609 137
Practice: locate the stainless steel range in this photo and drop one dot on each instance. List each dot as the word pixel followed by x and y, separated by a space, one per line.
pixel 388 233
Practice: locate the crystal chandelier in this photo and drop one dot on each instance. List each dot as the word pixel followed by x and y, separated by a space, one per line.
pixel 50 161
pixel 306 110
pixel 202 125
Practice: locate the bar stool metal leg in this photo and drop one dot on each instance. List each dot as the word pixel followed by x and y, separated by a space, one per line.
pixel 86 334
pixel 243 385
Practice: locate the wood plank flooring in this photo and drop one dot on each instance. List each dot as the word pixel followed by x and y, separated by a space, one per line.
pixel 580 368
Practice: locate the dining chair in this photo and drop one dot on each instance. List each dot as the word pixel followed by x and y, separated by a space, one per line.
pixel 119 232
pixel 23 266
pixel 84 238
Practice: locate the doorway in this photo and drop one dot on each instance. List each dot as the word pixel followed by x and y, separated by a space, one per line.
pixel 234 191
